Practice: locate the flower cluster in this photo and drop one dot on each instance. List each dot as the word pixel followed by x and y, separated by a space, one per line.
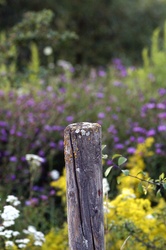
pixel 11 237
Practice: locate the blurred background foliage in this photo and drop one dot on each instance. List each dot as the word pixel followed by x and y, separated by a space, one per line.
pixel 105 29
pixel 59 64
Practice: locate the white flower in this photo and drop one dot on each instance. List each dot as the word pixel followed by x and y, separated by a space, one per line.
pixel 64 64
pixel 47 51
pixel 24 241
pixel 8 223
pixel 149 217
pixel 9 243
pixel 30 230
pixel 21 245
pixel 106 187
pixel 15 233
pixel 1 228
pixel 38 243
pixel 8 233
pixel 13 200
pixel 38 236
pixel 54 174
pixel 35 159
pixel 9 215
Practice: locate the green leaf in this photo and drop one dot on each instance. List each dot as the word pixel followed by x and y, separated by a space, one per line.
pixel 140 188
pixel 142 172
pixel 119 179
pixel 164 185
pixel 158 194
pixel 103 147
pixel 161 177
pixel 116 156
pixel 121 160
pixel 108 170
pixel 104 156
pixel 126 172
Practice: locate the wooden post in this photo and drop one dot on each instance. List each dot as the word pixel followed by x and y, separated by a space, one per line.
pixel 84 186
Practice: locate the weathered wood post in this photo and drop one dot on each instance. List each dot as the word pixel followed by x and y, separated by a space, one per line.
pixel 84 186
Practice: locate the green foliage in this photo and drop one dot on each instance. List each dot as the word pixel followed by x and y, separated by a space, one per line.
pixel 152 74
pixel 106 29
pixel 34 65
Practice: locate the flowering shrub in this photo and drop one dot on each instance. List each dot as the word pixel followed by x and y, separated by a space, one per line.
pixel 57 239
pixel 137 167
pixel 137 218
pixel 129 219
pixel 10 239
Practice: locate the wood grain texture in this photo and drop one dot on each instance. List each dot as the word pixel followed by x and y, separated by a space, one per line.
pixel 84 186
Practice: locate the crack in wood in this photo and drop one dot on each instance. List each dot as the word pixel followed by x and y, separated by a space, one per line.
pixel 77 187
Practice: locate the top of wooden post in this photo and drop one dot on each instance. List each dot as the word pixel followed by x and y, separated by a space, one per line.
pixel 82 125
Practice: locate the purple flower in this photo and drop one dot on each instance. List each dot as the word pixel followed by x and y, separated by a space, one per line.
pixel 118 84
pixel 60 109
pixel 161 128
pixel 52 192
pixel 151 132
pixel 100 95
pixel 12 131
pixel 30 103
pixel 119 146
pixel 42 154
pixel 3 124
pixel 101 115
pixel 114 117
pixel 57 128
pixel 13 159
pixel 112 130
pixel 117 61
pixel 139 130
pixel 162 115
pixel 150 105
pixel 37 189
pixel 123 72
pixel 162 91
pixel 158 151
pixel 101 73
pixel 132 138
pixel 109 162
pixel 1 93
pixel 19 133
pixel 140 139
pixel 32 202
pixel 131 150
pixel 160 106
pixel 43 197
pixel 47 128
pixel 49 88
pixel 12 177
pixel 61 144
pixel 62 90
pixel 69 118
pixel 116 139
pixel 52 144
